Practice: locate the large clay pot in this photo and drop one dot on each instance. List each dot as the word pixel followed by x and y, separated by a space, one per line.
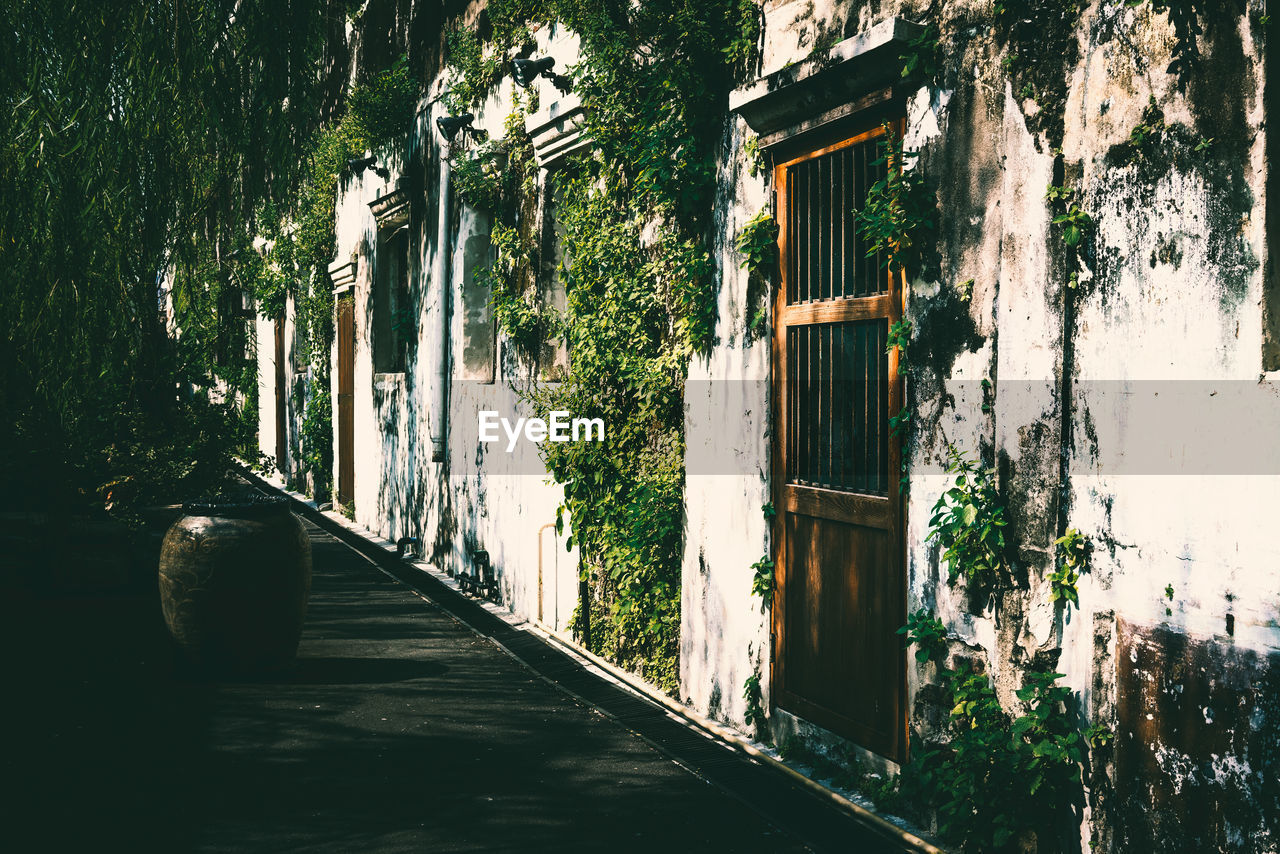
pixel 234 582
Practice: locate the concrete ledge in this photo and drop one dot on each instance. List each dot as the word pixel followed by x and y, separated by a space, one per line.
pixel 855 74
pixel 343 274
pixel 557 131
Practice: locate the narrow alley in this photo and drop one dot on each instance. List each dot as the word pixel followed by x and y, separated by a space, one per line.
pixel 398 729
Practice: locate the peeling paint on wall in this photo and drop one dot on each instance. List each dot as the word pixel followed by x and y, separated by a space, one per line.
pixel 1197 750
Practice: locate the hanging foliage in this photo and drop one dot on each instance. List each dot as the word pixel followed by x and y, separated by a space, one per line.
pixel 135 143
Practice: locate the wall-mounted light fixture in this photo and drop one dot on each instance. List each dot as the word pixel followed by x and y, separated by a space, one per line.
pixel 525 71
pixel 450 125
pixel 356 165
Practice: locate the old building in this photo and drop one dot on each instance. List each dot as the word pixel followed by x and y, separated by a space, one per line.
pixel 1077 239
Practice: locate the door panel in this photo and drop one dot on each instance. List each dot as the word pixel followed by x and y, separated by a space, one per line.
pixel 346 336
pixel 841 594
pixel 840 661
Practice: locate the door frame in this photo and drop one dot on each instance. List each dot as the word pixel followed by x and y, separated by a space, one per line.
pixel 889 305
pixel 344 489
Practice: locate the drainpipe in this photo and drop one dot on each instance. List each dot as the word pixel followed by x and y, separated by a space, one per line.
pixel 439 327
pixel 557 581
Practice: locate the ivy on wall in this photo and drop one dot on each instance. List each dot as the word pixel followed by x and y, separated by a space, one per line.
pixel 998 780
pixel 635 216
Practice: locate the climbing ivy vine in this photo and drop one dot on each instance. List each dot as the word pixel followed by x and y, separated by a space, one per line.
pixel 1001 778
pixel 635 219
pixel 968 523
pixel 900 213
pixel 1071 557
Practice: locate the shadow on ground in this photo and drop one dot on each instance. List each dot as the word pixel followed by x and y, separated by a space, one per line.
pixel 397 730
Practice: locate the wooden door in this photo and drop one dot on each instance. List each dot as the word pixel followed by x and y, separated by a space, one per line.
pixel 841 593
pixel 346 335
pixel 282 423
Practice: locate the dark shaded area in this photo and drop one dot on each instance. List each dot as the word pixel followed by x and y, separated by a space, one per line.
pixel 944 329
pixel 1216 150
pixel 397 729
pixel 1271 279
pixel 1197 748
pixel 1041 40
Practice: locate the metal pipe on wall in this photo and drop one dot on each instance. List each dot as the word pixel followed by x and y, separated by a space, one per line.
pixel 555 625
pixel 439 327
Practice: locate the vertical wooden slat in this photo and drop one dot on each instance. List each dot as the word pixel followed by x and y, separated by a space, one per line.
pixel 879 271
pixel 865 483
pixel 824 231
pixel 811 236
pixel 868 276
pixel 794 395
pixel 851 232
pixel 802 232
pixel 875 367
pixel 791 234
pixel 803 211
pixel 848 365
pixel 881 423
pixel 837 406
pixel 824 449
pixel 802 226
pixel 811 430
pixel 798 398
pixel 815 230
pixel 870 263
pixel 839 216
pixel 858 156
pixel 792 409
pixel 815 405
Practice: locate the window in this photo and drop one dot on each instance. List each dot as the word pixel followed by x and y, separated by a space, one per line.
pixel 553 355
pixel 475 319
pixel 392 318
pixel 394 324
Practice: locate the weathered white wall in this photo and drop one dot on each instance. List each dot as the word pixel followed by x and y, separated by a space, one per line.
pixel 481 497
pixel 724 628
pixel 1169 467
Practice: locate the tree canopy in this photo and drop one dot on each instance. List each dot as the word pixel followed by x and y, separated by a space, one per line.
pixel 135 137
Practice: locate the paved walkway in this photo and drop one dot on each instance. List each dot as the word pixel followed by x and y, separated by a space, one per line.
pixel 399 730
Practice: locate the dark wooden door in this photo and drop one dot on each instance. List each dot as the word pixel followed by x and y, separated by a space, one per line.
pixel 346 399
pixel 282 422
pixel 841 586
